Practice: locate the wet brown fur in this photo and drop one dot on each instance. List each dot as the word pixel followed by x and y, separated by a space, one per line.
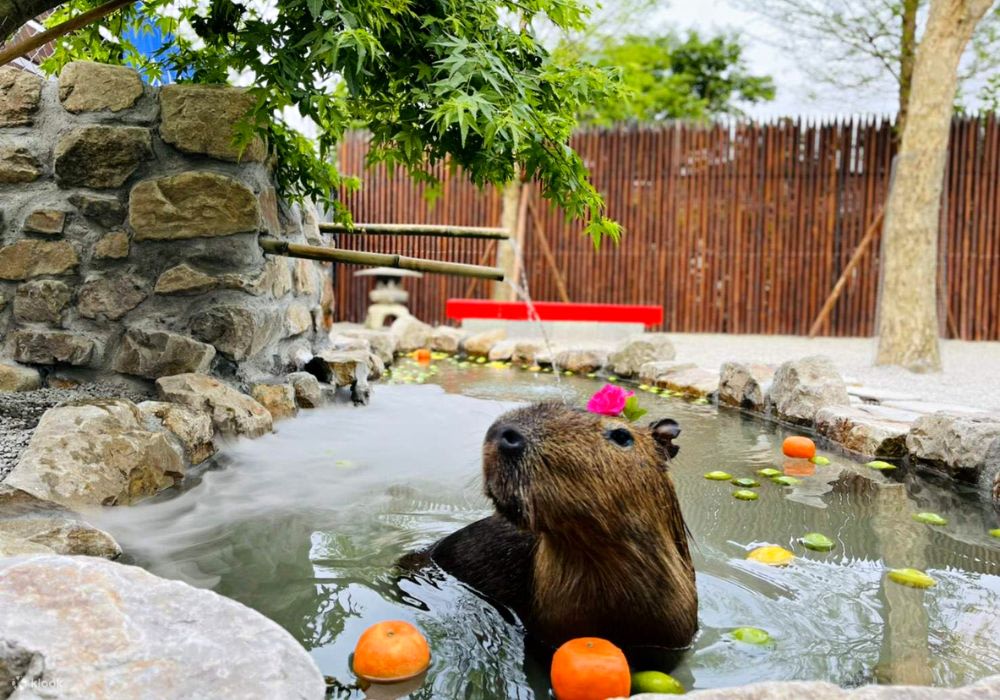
pixel 588 539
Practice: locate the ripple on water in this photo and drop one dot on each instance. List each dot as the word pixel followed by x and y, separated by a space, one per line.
pixel 305 525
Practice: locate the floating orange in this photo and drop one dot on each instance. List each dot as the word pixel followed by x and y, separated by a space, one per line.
pixel 391 651
pixel 423 355
pixel 589 668
pixel 798 446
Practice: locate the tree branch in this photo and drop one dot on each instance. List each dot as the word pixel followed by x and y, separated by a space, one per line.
pixel 12 51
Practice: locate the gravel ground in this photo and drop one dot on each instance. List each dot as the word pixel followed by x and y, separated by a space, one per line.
pixel 971 375
pixel 20 411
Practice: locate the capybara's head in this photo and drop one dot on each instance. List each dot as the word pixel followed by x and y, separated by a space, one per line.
pixel 553 469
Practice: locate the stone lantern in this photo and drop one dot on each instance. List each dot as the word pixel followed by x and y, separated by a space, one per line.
pixel 388 299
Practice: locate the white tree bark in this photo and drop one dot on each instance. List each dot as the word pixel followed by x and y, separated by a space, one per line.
pixel 908 319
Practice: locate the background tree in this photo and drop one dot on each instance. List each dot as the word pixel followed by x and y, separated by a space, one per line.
pixel 673 77
pixel 869 45
pixel 466 81
pixel 908 322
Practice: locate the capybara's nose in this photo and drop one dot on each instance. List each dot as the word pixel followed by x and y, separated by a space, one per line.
pixel 510 442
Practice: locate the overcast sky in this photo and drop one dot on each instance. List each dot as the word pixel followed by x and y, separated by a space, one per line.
pixel 797 95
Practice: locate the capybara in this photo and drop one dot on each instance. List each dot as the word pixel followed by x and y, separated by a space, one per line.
pixel 587 538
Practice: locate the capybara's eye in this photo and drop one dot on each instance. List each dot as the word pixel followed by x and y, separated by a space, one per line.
pixel 621 437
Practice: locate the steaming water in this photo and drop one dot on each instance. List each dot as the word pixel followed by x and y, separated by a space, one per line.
pixel 305 525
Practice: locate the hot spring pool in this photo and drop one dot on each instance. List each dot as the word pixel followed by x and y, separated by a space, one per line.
pixel 305 525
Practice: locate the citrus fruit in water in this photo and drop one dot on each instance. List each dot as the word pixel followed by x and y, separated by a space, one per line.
pixel 589 668
pixel 391 651
pixel 798 446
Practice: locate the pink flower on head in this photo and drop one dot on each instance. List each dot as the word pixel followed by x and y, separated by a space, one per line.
pixel 609 401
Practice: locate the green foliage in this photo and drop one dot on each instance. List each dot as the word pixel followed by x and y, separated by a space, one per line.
pixel 670 77
pixel 632 410
pixel 462 80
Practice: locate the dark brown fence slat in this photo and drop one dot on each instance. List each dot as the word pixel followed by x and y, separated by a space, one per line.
pixel 737 227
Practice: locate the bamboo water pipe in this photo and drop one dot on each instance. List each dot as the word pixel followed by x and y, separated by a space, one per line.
pixel 417 230
pixel 357 257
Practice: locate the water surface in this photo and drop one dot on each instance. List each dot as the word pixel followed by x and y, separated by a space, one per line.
pixel 305 525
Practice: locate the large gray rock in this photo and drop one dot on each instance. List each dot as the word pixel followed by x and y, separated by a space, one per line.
pixel 696 382
pixel 819 690
pixel 231 412
pixel 29 258
pixel 53 348
pixel 110 297
pixel 30 525
pixel 79 628
pixel 17 378
pixel 957 444
pixel 18 165
pixel 100 156
pixel 41 301
pixel 202 119
pixel 20 95
pixel 193 430
pixel 873 431
pixel 525 351
pixel 411 334
pixel 308 393
pixel 154 354
pixel 657 373
pixel 382 342
pixel 479 344
pixel 238 332
pixel 635 352
pixel 802 387
pixel 192 205
pixel 744 385
pixel 447 339
pixel 580 360
pixel 96 453
pixel 95 87
pixel 502 351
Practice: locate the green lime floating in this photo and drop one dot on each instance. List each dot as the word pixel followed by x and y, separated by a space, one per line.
pixel 643 387
pixel 746 483
pixel 817 542
pixel 718 476
pixel 745 495
pixel 768 472
pixel 929 519
pixel 914 578
pixel 995 533
pixel 655 682
pixel 481 360
pixel 591 375
pixel 880 465
pixel 786 480
pixel 750 635
pixel 612 378
pixel 700 401
pixel 820 460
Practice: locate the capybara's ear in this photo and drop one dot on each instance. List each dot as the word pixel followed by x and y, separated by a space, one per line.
pixel 664 431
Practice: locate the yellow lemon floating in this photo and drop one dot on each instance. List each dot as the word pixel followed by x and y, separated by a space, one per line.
pixel 745 495
pixel 995 533
pixel 719 476
pixel 820 460
pixel 771 555
pixel 768 472
pixel 914 578
pixel 655 682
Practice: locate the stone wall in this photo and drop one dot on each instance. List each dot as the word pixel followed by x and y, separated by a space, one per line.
pixel 129 227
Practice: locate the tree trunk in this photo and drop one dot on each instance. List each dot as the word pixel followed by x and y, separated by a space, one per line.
pixel 908 322
pixel 15 13
pixel 506 253
pixel 907 53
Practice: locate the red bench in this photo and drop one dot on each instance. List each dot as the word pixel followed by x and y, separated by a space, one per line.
pixel 462 309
